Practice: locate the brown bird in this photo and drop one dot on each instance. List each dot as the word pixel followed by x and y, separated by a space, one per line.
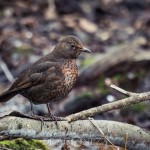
pixel 52 77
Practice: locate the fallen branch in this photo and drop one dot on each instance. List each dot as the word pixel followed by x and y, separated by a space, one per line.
pixel 124 135
pixel 127 52
pixel 79 130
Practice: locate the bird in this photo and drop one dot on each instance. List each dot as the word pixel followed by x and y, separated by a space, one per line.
pixel 52 77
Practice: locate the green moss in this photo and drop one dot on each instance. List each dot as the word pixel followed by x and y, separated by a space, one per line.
pixel 22 144
pixel 121 77
pixel 140 73
pixel 23 50
pixel 102 86
pixel 117 77
pixel 87 62
pixel 139 107
pixel 86 95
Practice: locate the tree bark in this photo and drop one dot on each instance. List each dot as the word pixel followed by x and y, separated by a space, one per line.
pixel 79 130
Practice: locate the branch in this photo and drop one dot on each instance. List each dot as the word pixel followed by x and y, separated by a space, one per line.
pixel 79 130
pixel 124 135
pixel 127 93
pixel 133 99
pixel 6 71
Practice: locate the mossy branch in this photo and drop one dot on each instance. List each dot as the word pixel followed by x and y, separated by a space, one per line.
pixel 79 130
pixel 20 125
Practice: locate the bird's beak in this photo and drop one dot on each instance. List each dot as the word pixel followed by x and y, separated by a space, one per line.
pixel 86 50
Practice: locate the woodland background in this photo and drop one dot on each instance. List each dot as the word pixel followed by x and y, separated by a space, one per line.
pixel 30 29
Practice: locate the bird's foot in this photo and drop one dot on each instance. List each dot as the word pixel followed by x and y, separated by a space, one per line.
pixel 38 118
pixel 55 119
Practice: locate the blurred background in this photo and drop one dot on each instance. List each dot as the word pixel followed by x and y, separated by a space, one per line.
pixel 111 29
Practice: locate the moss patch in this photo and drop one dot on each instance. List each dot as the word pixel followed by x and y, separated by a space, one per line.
pixel 102 86
pixel 23 50
pixel 22 144
pixel 87 94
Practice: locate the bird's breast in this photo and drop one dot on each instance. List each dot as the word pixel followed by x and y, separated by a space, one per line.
pixel 70 73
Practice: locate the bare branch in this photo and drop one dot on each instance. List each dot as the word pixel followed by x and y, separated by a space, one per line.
pixel 133 99
pixel 127 93
pixel 120 134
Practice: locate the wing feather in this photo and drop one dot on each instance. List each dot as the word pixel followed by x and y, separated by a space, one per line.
pixel 33 76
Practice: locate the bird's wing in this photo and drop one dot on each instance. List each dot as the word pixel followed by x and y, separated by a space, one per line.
pixel 34 75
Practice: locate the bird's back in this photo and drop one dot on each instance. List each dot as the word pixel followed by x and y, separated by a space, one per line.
pixel 46 81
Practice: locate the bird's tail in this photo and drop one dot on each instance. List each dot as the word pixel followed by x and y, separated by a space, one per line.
pixel 6 96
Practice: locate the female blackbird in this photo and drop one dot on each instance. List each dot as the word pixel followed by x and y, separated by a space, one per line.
pixel 52 77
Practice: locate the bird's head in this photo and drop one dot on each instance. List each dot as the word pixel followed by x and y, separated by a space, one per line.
pixel 70 47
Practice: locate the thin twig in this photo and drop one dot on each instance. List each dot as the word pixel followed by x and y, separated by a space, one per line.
pixel 127 93
pixel 133 99
pixel 126 139
pixel 6 71
pixel 99 129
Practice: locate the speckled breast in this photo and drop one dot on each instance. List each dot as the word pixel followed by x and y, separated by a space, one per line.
pixel 55 90
pixel 70 72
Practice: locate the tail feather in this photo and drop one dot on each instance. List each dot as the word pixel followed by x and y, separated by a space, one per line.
pixel 6 96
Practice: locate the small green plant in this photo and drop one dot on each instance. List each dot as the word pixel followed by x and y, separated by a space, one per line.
pixel 22 144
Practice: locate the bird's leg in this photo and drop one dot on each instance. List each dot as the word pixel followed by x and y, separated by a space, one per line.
pixel 36 116
pixel 49 112
pixel 33 114
pixel 32 111
pixel 54 118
